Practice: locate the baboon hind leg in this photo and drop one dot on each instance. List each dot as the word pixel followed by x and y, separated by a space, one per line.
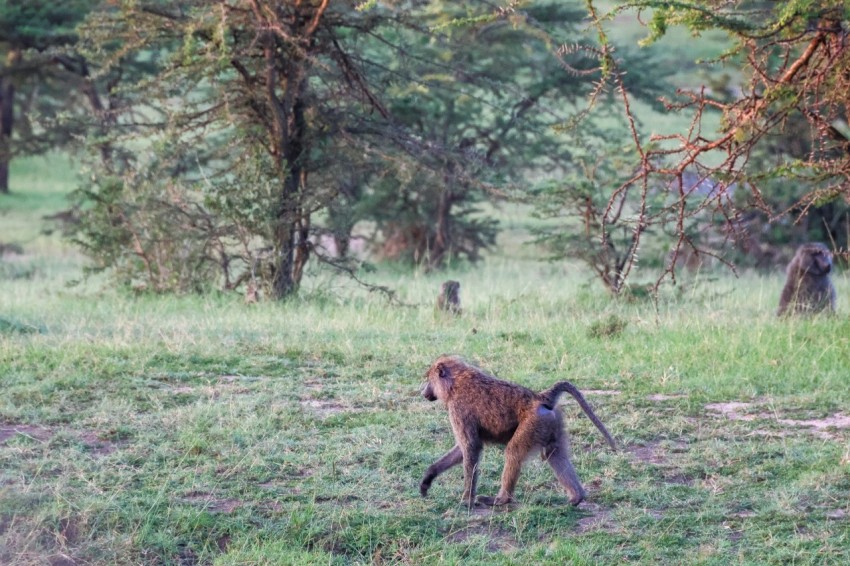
pixel 450 459
pixel 558 458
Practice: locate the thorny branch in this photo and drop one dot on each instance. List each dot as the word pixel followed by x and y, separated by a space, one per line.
pixel 811 81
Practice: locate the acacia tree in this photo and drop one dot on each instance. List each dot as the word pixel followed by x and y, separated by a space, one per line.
pixel 794 59
pixel 486 94
pixel 490 95
pixel 250 99
pixel 264 113
pixel 40 76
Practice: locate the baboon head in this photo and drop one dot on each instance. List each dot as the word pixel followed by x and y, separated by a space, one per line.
pixel 439 379
pixel 815 259
pixel 450 289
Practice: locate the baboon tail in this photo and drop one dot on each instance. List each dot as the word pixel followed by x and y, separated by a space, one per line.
pixel 550 399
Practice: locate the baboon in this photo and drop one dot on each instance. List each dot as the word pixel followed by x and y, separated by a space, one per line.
pixel 252 292
pixel 483 409
pixel 808 288
pixel 449 298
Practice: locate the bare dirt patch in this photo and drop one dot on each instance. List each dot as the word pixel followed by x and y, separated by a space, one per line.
pixel 211 503
pixel 837 421
pixel 648 454
pixel 97 445
pixel 598 519
pixel 736 411
pixel 497 539
pixel 35 432
pixel 659 397
pixel 733 410
pixel 91 439
pixel 323 408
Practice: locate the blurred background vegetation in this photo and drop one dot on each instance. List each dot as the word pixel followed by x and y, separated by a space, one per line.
pixel 234 145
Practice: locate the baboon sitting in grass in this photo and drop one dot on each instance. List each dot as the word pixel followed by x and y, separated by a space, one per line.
pixel 808 288
pixel 485 409
pixel 449 298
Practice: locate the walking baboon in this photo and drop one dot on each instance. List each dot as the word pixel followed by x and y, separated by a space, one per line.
pixel 449 298
pixel 483 409
pixel 808 288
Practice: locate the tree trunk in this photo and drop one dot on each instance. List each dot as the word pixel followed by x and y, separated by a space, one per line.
pixel 443 237
pixel 290 131
pixel 285 283
pixel 7 116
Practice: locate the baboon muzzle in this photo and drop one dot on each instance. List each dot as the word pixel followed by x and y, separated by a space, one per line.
pixel 428 392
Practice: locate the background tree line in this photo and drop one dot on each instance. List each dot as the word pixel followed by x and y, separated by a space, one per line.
pixel 229 143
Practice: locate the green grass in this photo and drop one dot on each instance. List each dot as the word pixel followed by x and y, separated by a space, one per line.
pixel 203 430
pixel 200 430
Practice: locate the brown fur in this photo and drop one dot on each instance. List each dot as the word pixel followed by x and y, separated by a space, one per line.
pixel 483 409
pixel 808 288
pixel 449 298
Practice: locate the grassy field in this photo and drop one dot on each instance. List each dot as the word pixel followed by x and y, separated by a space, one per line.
pixel 200 430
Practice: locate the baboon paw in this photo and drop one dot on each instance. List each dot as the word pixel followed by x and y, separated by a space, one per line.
pixel 423 489
pixel 489 501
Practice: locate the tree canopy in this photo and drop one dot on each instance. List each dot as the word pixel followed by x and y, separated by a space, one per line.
pixel 234 142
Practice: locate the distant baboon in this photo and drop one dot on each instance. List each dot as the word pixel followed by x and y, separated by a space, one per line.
pixel 449 298
pixel 485 409
pixel 252 292
pixel 808 288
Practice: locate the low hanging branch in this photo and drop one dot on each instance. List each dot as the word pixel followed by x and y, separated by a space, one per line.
pixel 811 81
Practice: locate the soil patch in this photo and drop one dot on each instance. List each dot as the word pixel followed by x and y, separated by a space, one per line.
pixel 678 479
pixel 497 538
pixel 40 433
pixel 733 410
pixel 837 420
pixel 323 408
pixel 598 518
pixel 212 504
pixel 658 397
pixel 648 454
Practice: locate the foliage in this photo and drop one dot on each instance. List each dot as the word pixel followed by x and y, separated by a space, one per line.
pixel 42 80
pixel 484 96
pixel 254 95
pixel 791 57
pixel 323 109
pixel 590 218
pixel 157 232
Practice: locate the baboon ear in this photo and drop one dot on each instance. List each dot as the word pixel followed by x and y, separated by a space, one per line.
pixel 444 371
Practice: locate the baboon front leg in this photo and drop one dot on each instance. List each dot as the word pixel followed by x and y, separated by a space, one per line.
pixel 450 459
pixel 471 456
pixel 559 459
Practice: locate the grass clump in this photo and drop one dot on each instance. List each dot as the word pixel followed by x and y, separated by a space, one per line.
pixel 609 327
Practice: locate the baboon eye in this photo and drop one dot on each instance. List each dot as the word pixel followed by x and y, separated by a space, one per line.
pixel 442 371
